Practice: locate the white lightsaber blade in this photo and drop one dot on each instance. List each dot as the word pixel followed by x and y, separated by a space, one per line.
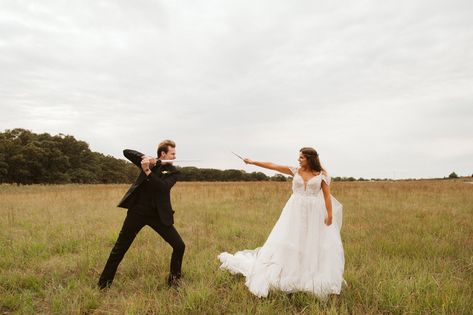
pixel 238 156
pixel 178 161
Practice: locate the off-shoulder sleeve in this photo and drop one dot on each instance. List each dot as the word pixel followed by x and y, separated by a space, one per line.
pixel 326 178
pixel 293 169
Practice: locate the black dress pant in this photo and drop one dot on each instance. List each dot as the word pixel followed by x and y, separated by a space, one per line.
pixel 131 226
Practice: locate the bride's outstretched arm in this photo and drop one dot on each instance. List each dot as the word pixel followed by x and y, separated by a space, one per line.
pixel 269 165
pixel 328 202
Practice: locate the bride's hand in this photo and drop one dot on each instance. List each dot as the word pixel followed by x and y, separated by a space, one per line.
pixel 248 161
pixel 328 221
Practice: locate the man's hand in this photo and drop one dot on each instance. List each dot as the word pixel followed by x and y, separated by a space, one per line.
pixel 145 163
pixel 153 161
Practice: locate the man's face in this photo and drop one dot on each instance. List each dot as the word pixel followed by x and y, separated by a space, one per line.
pixel 170 155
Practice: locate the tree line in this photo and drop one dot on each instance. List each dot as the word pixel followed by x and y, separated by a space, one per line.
pixel 30 158
pixel 213 175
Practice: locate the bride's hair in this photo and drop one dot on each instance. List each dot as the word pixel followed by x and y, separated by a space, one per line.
pixel 313 158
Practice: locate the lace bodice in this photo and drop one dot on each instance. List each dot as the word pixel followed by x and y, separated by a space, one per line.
pixel 312 187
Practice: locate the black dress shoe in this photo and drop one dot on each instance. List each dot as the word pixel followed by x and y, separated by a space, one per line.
pixel 104 284
pixel 174 281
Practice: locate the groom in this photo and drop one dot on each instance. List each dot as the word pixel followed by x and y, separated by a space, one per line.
pixel 148 202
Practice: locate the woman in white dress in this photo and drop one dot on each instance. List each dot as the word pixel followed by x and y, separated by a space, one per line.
pixel 304 250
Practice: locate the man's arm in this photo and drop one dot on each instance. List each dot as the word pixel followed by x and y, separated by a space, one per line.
pixel 163 184
pixel 133 156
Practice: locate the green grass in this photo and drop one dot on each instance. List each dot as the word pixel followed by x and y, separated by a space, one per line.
pixel 408 250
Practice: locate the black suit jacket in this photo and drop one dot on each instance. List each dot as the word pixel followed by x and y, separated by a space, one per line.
pixel 162 178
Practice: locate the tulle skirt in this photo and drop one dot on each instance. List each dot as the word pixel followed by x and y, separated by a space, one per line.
pixel 300 254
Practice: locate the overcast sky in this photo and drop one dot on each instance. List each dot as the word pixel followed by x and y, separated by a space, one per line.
pixel 378 88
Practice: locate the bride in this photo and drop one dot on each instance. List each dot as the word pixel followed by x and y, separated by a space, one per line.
pixel 304 250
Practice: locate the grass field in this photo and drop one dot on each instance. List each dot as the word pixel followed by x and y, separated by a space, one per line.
pixel 408 250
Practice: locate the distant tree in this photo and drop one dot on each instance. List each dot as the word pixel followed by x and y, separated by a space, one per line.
pixel 3 167
pixel 259 176
pixel 278 178
pixel 233 175
pixel 453 175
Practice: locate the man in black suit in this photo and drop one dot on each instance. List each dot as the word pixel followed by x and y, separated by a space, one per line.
pixel 149 203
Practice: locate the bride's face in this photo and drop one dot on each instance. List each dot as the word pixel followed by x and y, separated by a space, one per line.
pixel 302 160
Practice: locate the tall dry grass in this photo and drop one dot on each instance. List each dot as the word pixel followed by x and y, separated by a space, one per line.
pixel 408 249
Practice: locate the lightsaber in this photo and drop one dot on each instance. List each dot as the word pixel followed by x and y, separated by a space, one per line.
pixel 238 156
pixel 178 161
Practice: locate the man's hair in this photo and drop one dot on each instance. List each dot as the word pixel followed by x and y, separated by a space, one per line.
pixel 164 146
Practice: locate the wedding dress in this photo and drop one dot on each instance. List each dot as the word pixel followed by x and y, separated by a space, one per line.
pixel 301 252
